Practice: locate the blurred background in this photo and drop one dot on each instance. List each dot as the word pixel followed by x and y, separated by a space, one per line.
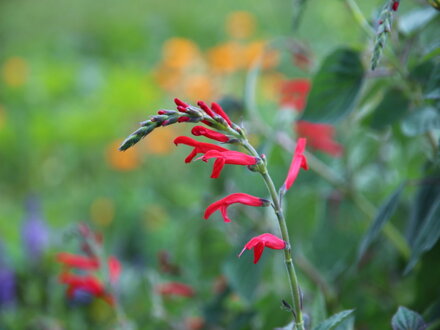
pixel 77 77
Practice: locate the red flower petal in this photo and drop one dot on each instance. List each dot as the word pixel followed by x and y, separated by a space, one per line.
pixel 209 133
pixel 258 243
pixel 227 157
pixel 294 93
pixel 320 137
pixel 114 267
pixel 77 261
pixel 298 161
pixel 199 147
pixel 224 203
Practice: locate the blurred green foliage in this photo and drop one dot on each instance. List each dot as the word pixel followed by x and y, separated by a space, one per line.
pixel 76 77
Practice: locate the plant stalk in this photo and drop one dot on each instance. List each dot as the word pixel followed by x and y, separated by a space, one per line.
pixel 276 204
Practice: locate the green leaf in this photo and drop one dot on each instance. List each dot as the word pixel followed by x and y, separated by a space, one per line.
pixel 335 321
pixel 421 121
pixel 406 319
pixel 416 19
pixel 243 275
pixel 335 87
pixel 428 235
pixel 385 212
pixel 393 106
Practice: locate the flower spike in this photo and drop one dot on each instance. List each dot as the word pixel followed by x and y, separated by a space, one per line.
pixel 241 198
pixel 298 161
pixel 258 243
pixel 227 157
pixel 209 133
pixel 199 147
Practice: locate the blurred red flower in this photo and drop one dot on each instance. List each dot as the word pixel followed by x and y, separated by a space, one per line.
pixel 320 136
pixel 294 93
pixel 241 198
pixel 258 243
pixel 89 282
pixel 175 289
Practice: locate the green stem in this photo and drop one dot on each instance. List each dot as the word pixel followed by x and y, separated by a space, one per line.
pixel 276 204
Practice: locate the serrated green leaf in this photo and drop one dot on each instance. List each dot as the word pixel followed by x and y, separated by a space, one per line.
pixel 393 106
pixel 427 236
pixel 421 121
pixel 335 87
pixel 385 212
pixel 406 319
pixel 335 320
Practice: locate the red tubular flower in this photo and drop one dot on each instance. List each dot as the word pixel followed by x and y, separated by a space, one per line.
pixel 77 261
pixel 395 5
pixel 219 110
pixel 260 242
pixel 294 93
pixel 298 161
pixel 88 283
pixel 209 133
pixel 224 203
pixel 199 147
pixel 320 137
pixel 175 289
pixel 227 157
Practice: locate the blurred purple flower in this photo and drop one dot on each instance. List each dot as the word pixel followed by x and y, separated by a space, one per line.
pixel 7 287
pixel 35 233
pixel 7 282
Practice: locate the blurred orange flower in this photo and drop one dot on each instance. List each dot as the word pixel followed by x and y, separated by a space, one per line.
pixel 160 142
pixel 122 161
pixel 256 49
pixel 167 78
pixel 224 58
pixel 15 71
pixel 199 87
pixel 179 53
pixel 240 24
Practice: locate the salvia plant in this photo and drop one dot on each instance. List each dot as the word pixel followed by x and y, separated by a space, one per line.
pixel 220 128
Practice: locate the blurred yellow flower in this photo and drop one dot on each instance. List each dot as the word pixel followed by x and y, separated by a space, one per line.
pixel 271 84
pixel 199 87
pixel 224 58
pixel 257 49
pixel 2 116
pixel 122 161
pixel 102 211
pixel 179 53
pixel 160 142
pixel 240 24
pixel 15 71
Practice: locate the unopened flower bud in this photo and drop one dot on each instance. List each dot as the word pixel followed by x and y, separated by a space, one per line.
pixel 170 120
pixel 166 112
